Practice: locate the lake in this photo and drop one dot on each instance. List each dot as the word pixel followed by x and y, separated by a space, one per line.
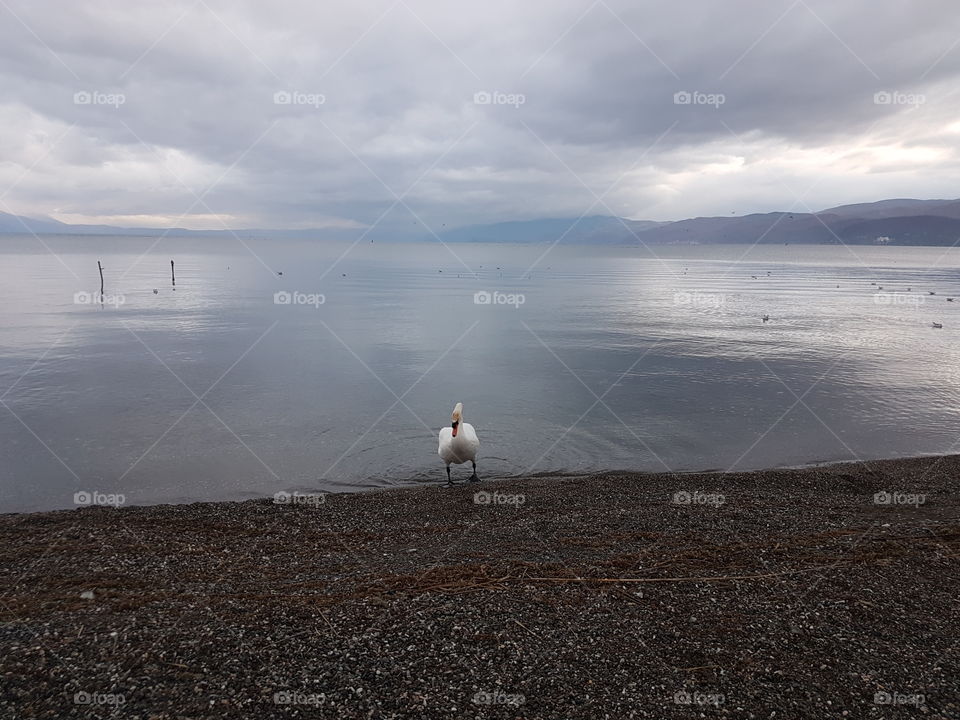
pixel 338 374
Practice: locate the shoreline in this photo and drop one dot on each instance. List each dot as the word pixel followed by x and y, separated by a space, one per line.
pixel 545 475
pixel 635 595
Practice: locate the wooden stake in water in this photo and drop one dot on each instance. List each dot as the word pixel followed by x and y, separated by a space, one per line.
pixel 173 277
pixel 100 267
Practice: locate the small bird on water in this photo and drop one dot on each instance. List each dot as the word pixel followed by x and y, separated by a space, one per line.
pixel 459 443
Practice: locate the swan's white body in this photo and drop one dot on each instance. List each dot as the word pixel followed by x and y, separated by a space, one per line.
pixel 459 449
pixel 459 443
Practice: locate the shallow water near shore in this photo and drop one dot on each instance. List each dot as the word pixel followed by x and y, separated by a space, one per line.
pixel 570 359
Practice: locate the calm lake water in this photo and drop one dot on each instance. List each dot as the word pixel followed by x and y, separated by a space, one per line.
pixel 596 358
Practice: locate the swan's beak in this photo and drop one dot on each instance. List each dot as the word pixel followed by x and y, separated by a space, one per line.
pixel 455 423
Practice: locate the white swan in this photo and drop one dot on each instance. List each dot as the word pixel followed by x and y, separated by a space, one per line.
pixel 459 443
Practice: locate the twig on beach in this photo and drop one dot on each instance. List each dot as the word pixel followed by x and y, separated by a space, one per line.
pixel 626 596
pixel 326 620
pixel 463 587
pixel 710 578
pixel 525 627
pixel 455 581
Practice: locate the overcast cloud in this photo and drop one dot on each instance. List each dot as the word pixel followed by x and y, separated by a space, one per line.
pixel 383 101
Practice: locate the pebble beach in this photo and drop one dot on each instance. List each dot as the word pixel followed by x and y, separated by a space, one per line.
pixel 821 592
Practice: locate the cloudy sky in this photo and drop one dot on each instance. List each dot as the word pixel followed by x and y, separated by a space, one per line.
pixel 288 114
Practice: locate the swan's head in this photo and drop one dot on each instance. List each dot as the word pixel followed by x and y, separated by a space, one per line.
pixel 456 417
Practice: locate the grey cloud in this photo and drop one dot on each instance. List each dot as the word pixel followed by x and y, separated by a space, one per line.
pixel 398 87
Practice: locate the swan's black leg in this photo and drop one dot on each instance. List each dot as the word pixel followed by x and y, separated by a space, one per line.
pixel 473 478
pixel 449 481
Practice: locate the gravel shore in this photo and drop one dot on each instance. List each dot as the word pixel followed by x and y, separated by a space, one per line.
pixel 773 594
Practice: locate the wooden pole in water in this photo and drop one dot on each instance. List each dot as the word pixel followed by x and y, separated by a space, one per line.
pixel 101 277
pixel 173 277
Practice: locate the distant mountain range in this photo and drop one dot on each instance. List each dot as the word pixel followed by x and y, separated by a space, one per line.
pixel 893 222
